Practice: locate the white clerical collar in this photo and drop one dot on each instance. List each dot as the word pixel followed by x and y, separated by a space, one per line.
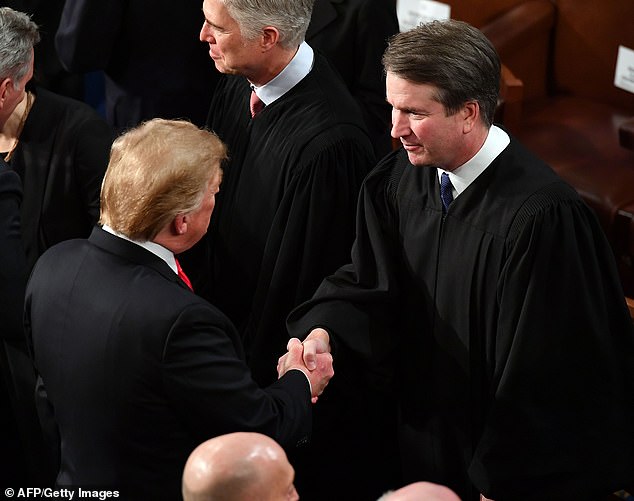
pixel 468 172
pixel 156 249
pixel 289 77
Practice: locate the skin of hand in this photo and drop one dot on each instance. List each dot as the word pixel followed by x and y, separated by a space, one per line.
pixel 319 376
pixel 316 343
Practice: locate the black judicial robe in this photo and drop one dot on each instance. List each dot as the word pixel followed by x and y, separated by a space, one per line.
pixel 284 217
pixel 503 324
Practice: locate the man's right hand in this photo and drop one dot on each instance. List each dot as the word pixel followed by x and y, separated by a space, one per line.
pixel 319 375
pixel 315 344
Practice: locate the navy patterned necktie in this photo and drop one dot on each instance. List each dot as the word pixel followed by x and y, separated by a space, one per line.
pixel 446 193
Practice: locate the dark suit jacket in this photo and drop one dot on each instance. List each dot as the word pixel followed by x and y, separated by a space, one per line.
pixel 353 35
pixel 139 370
pixel 19 429
pixel 12 282
pixel 154 63
pixel 12 263
pixel 61 157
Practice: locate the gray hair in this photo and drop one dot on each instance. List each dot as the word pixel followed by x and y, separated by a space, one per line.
pixel 454 57
pixel 18 35
pixel 290 17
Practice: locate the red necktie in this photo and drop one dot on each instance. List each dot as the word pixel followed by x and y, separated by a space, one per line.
pixel 182 275
pixel 255 104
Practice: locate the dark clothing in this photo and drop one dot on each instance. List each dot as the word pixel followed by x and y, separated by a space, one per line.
pixel 503 325
pixel 154 64
pixel 284 216
pixel 61 158
pixel 139 370
pixel 12 261
pixel 12 283
pixel 353 35
pixel 48 71
pixel 284 220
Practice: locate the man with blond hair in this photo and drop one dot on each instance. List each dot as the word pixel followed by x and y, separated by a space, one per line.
pixel 136 368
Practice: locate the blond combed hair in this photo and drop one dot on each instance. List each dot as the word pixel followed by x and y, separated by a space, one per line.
pixel 158 170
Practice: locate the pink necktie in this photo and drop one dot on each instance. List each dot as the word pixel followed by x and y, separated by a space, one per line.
pixel 255 104
pixel 182 275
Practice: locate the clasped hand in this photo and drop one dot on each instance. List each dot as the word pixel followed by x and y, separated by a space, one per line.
pixel 312 357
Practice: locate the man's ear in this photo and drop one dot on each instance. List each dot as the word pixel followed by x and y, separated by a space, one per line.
pixel 179 224
pixel 470 115
pixel 269 38
pixel 5 86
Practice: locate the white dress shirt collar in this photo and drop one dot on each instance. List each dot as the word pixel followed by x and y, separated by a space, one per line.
pixel 156 249
pixel 289 77
pixel 497 140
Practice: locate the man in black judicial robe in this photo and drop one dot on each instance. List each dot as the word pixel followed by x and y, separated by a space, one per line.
pixel 288 199
pixel 501 317
pixel 285 216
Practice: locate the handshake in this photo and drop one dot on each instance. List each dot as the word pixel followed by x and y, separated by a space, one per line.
pixel 312 357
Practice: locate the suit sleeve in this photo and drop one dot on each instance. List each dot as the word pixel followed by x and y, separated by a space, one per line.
pixel 87 33
pixel 213 389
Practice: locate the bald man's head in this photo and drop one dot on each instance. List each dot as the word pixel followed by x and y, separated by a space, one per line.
pixel 239 467
pixel 421 491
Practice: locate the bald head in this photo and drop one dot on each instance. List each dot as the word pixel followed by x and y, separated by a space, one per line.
pixel 421 491
pixel 239 467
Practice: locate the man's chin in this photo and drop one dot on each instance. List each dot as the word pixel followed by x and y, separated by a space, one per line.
pixel 222 68
pixel 417 160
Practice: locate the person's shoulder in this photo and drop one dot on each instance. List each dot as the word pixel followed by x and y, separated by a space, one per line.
pixel 530 177
pixel 59 101
pixel 392 168
pixel 391 177
pixel 533 189
pixel 323 96
pixel 229 85
pixel 325 76
pixel 63 251
pixel 62 112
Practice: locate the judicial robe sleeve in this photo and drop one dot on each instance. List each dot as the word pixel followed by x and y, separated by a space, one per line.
pixel 358 302
pixel 561 420
pixel 310 237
